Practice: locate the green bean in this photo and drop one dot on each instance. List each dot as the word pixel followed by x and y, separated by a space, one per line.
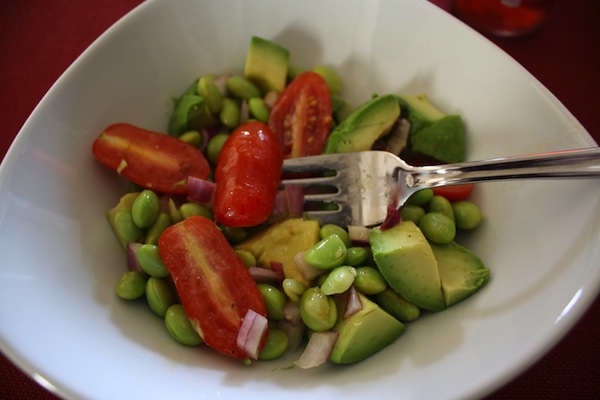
pixel 192 209
pixel 258 109
pixel 145 208
pixel 275 346
pixel 132 285
pixel 331 77
pixel 318 311
pixel 125 228
pixel 331 229
pixel 192 137
pixel 327 253
pixel 163 221
pixel 160 295
pixel 369 281
pixel 247 257
pixel 293 289
pixel 215 144
pixel 356 256
pixel 467 214
pixel 179 326
pixel 211 93
pixel 149 259
pixel 242 88
pixel 230 113
pixel 420 198
pixel 437 227
pixel 442 205
pixel 397 306
pixel 338 280
pixel 274 300
pixel 412 213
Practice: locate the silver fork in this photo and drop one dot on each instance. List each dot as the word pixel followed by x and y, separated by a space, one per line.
pixel 364 184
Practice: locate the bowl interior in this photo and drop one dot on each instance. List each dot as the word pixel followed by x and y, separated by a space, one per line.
pixel 60 319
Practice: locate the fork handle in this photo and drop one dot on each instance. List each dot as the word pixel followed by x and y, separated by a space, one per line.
pixel 579 163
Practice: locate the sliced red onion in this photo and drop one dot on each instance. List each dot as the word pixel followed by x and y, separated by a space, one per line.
pixel 317 350
pixel 205 137
pixel 397 139
pixel 308 271
pixel 294 195
pixel 353 303
pixel 295 334
pixel 254 327
pixel 270 98
pixel 359 234
pixel 291 313
pixel 278 268
pixel 280 207
pixel 392 218
pixel 132 249
pixel 200 190
pixel 221 83
pixel 264 275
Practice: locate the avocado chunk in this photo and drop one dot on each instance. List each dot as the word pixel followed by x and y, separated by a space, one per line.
pixel 266 65
pixel 364 333
pixel 433 132
pixel 443 139
pixel 191 112
pixel 359 130
pixel 406 261
pixel 281 242
pixel 462 273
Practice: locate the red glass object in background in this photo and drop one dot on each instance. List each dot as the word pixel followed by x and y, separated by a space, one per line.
pixel 503 17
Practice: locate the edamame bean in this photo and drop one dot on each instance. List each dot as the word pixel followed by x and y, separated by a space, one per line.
pixel 467 214
pixel 163 221
pixel 327 254
pixel 274 300
pixel 192 137
pixel 149 259
pixel 275 346
pixel 247 258
pixel 356 256
pixel 145 208
pixel 420 198
pixel 369 281
pixel 442 205
pixel 192 209
pixel 412 213
pixel 242 88
pixel 233 234
pixel 211 93
pixel 230 113
pixel 215 144
pixel 331 229
pixel 125 229
pixel 293 289
pixel 437 227
pixel 318 311
pixel 131 285
pixel 160 295
pixel 338 280
pixel 397 306
pixel 179 326
pixel 331 77
pixel 258 109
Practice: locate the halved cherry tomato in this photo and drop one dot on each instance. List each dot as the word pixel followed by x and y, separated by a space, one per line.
pixel 247 175
pixel 215 288
pixel 152 160
pixel 454 193
pixel 301 116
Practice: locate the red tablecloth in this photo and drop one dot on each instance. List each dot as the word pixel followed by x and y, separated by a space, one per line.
pixel 39 39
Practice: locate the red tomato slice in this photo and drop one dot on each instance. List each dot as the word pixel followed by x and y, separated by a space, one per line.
pixel 215 288
pixel 454 193
pixel 152 160
pixel 301 116
pixel 247 175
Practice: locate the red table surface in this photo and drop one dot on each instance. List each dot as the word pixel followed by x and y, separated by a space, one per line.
pixel 39 39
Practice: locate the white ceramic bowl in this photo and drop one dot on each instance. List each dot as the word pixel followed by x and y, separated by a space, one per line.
pixel 60 319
